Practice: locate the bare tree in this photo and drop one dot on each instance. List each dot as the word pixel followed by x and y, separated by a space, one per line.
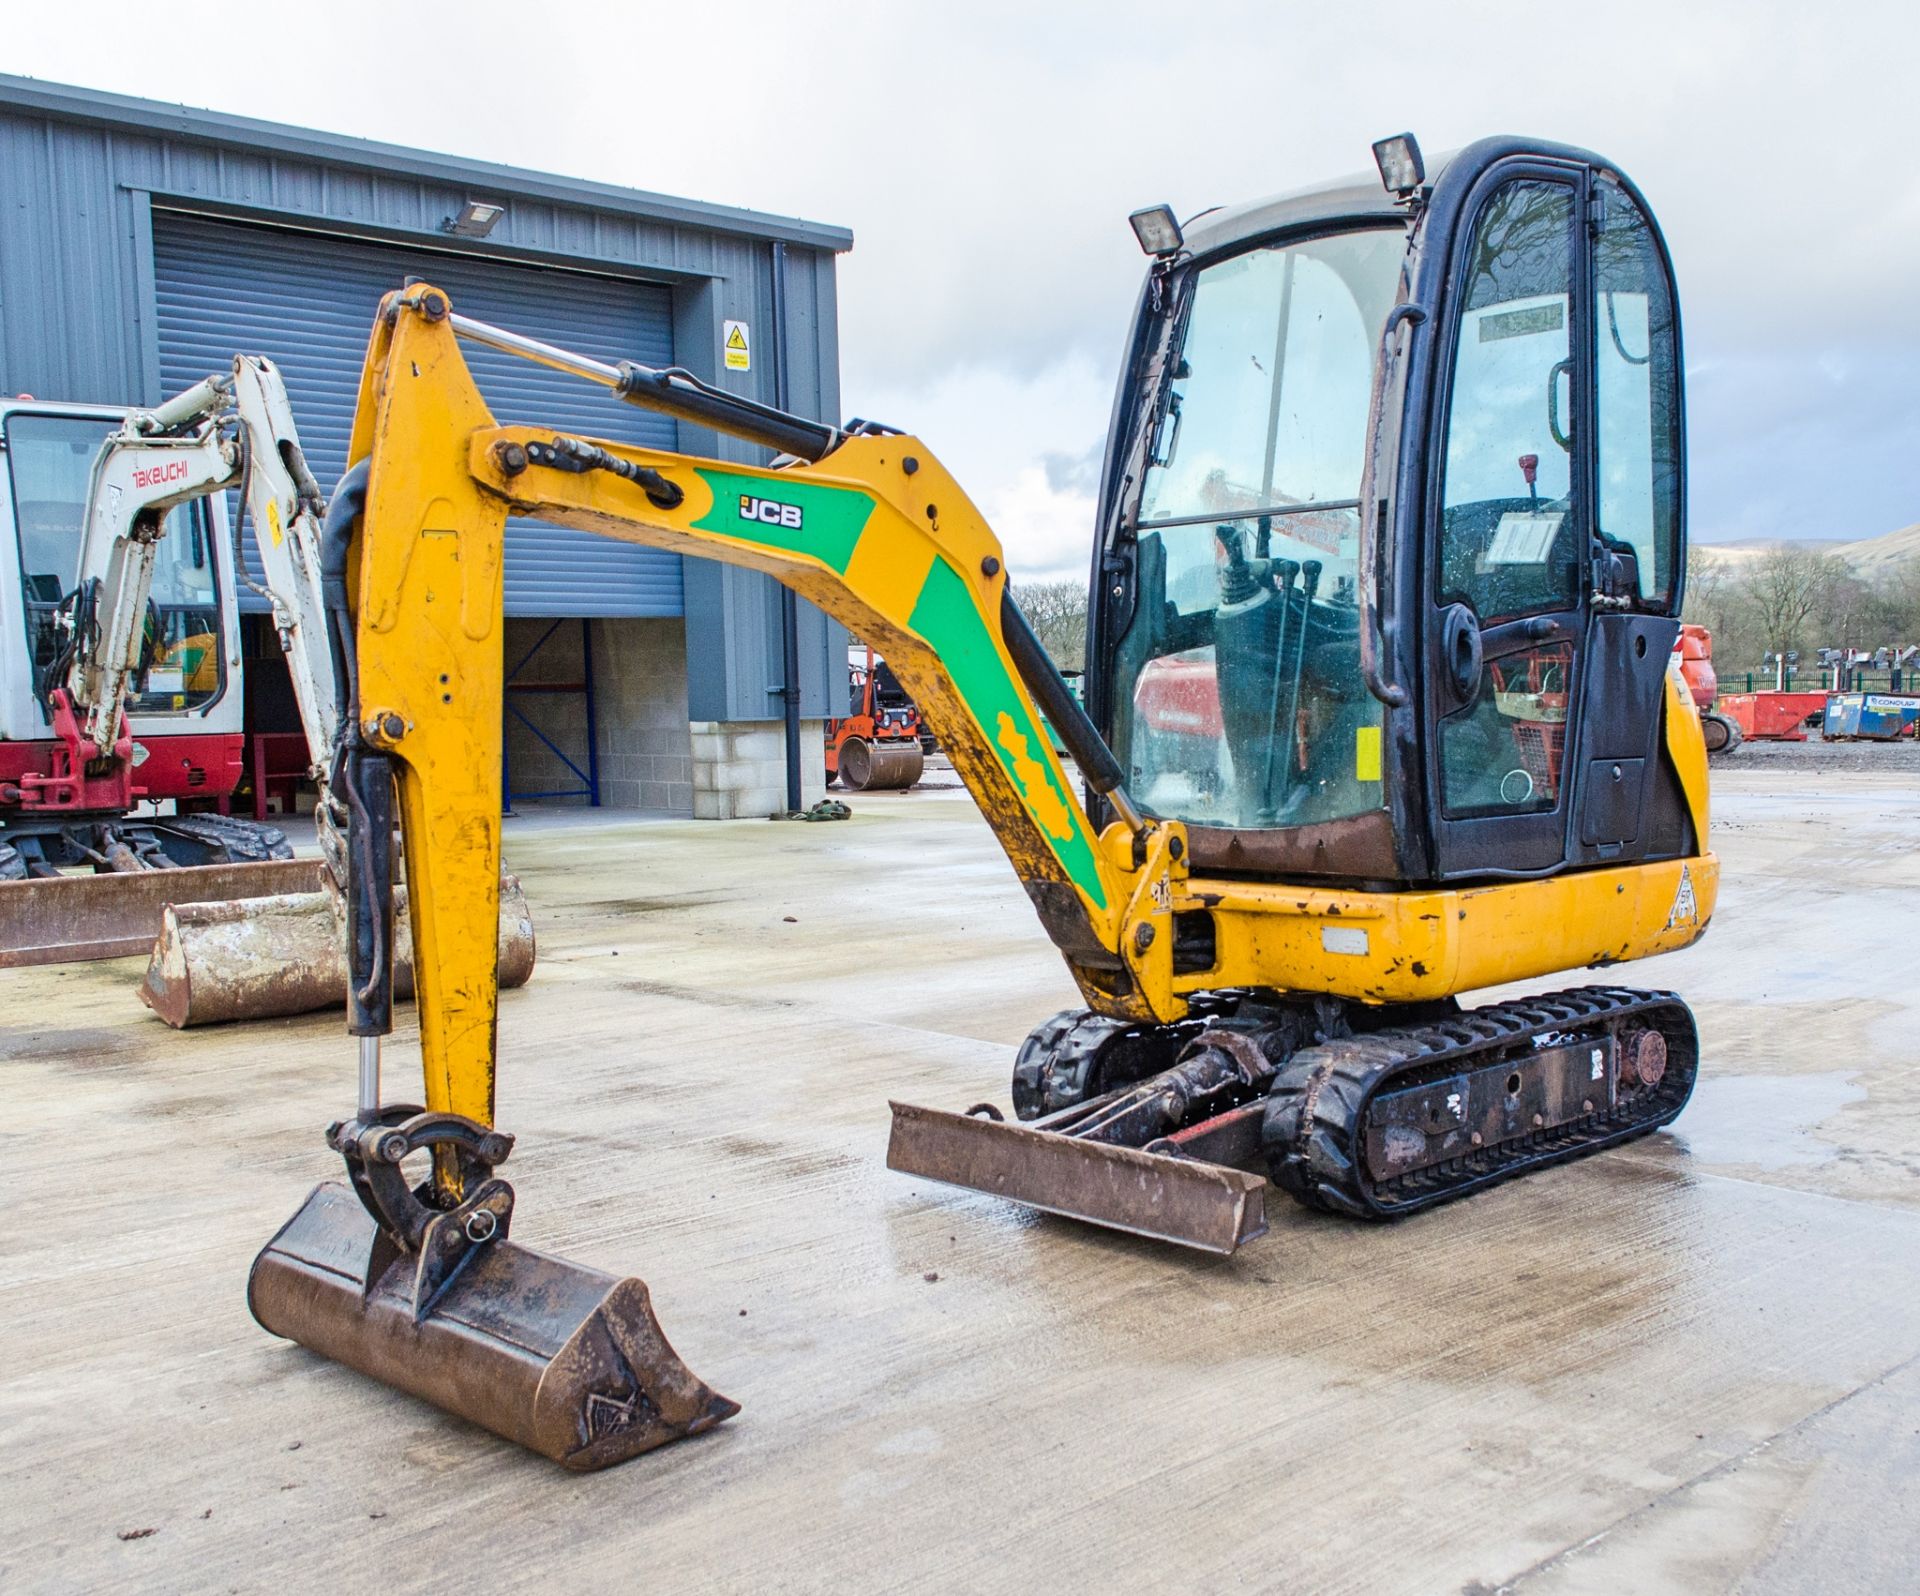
pixel 1058 614
pixel 1792 598
pixel 1898 589
pixel 1712 590
pixel 1787 586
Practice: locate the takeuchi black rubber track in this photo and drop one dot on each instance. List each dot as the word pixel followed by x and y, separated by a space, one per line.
pixel 226 839
pixel 1314 1130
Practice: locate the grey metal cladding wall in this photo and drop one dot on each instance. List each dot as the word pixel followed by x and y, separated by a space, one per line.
pixel 307 300
pixel 76 168
pixel 735 655
pixel 67 279
pixel 735 660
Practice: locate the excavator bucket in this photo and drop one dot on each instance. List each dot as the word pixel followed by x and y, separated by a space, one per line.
pixel 567 1361
pixel 252 958
pixel 68 919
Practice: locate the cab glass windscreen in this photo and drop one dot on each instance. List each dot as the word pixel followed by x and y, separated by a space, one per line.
pixel 1238 701
pixel 50 465
pixel 51 462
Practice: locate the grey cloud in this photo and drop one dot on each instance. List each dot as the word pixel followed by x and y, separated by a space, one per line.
pixel 1075 473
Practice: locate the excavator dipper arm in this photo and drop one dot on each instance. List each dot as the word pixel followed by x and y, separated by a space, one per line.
pixel 220 957
pixel 159 459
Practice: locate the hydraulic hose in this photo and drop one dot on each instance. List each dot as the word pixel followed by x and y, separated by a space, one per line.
pixel 1089 749
pixel 363 776
pixel 336 542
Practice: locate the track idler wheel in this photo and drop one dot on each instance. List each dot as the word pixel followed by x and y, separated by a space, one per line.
pixel 426 1293
pixel 1079 1054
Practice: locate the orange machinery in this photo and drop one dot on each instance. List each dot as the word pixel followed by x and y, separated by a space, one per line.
pixel 878 743
pixel 1722 725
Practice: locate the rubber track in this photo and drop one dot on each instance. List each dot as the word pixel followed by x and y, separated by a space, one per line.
pixel 227 838
pixel 1313 1132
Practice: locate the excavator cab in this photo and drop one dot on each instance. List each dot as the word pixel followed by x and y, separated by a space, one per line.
pixel 1386 581
pixel 176 736
pixel 1465 677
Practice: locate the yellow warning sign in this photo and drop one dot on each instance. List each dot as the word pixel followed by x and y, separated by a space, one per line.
pixel 736 346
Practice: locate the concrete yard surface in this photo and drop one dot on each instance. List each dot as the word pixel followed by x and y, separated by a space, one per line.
pixel 1691 1364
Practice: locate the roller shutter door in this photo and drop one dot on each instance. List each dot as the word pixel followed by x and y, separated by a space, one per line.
pixel 306 301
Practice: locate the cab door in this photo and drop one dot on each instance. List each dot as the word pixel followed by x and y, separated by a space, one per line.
pixel 1506 634
pixel 1555 540
pixel 1628 802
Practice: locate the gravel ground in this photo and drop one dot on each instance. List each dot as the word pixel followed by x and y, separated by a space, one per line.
pixel 1902 756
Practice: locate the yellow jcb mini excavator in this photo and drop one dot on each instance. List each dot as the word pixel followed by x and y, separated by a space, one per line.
pixel 1380 712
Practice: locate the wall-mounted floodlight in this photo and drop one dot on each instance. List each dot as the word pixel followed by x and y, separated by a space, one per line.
pixel 1401 169
pixel 474 219
pixel 1157 230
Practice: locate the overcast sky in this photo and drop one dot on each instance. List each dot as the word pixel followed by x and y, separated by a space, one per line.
pixel 986 155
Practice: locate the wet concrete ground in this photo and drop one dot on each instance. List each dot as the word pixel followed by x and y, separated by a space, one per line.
pixel 1688 1365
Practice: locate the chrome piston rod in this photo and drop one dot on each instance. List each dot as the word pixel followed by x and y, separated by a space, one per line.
pixel 369 1079
pixel 669 391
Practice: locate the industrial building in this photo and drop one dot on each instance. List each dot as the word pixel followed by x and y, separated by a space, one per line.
pixel 147 243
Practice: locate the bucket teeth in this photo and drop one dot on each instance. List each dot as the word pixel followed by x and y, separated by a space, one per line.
pixel 567 1361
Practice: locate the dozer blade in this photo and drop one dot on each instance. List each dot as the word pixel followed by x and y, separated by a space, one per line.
pixel 68 919
pixel 1170 1198
pixel 564 1360
pixel 253 958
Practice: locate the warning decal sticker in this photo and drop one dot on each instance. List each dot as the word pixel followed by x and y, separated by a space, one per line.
pixel 1685 910
pixel 736 347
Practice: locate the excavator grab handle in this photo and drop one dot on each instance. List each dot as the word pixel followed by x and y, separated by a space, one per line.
pixel 1374 653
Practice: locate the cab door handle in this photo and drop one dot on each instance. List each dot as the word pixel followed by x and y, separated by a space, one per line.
pixel 1460 649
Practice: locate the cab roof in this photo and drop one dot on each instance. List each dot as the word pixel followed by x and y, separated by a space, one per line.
pixel 17 405
pixel 1357 197
pixel 1360 198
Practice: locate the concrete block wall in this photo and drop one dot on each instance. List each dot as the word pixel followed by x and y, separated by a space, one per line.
pixel 640 711
pixel 651 758
pixel 740 767
pixel 640 673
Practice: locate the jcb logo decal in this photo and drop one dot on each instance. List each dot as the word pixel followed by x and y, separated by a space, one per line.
pixel 770 512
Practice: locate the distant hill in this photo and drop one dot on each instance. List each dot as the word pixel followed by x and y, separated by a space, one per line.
pixel 1867 556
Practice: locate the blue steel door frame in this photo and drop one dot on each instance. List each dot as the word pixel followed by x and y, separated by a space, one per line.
pixel 584 687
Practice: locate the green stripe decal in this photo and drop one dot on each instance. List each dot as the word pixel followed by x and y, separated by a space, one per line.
pixel 794 517
pixel 946 617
